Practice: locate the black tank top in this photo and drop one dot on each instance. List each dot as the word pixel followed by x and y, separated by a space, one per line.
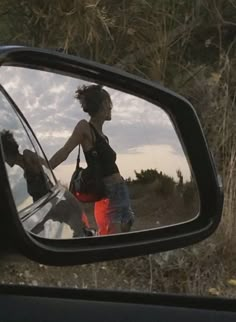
pixel 38 184
pixel 105 154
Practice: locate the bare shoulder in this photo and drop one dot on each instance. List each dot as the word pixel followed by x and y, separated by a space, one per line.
pixel 28 153
pixel 83 131
pixel 82 127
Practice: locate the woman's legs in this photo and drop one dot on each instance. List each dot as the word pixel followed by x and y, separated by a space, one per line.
pixel 103 220
pixel 114 214
pixel 125 227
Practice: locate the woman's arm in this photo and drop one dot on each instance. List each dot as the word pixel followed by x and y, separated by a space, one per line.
pixel 76 138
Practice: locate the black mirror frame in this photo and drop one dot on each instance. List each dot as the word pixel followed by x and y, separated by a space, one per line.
pixel 184 117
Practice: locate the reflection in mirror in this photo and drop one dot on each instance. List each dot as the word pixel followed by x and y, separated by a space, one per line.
pixel 26 168
pixel 132 143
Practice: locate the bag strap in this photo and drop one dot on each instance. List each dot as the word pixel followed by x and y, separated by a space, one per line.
pixel 78 159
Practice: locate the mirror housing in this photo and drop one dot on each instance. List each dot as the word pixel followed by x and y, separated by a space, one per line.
pixel 187 125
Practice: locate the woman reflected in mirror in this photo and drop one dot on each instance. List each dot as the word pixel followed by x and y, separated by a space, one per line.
pixel 38 184
pixel 113 213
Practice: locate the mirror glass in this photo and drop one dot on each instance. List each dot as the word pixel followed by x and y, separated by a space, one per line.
pixel 147 178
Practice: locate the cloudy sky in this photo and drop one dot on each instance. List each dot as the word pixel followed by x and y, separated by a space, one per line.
pixel 140 132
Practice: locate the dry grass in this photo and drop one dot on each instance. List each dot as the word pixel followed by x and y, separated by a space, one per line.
pixel 217 112
pixel 191 270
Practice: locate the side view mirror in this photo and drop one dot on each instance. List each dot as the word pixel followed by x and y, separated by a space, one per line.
pixel 160 192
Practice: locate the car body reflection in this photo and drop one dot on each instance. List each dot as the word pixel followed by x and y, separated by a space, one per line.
pixel 56 217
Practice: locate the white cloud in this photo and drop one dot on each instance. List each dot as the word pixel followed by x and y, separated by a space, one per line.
pixel 139 129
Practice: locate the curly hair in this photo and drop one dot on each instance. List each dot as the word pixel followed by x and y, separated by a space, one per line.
pixel 10 146
pixel 91 98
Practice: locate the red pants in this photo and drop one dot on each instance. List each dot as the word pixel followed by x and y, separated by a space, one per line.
pixel 104 224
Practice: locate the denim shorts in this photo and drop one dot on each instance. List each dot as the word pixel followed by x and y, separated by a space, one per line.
pixel 119 208
pixel 115 208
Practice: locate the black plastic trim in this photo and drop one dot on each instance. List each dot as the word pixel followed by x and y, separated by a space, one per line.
pixel 112 296
pixel 183 115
